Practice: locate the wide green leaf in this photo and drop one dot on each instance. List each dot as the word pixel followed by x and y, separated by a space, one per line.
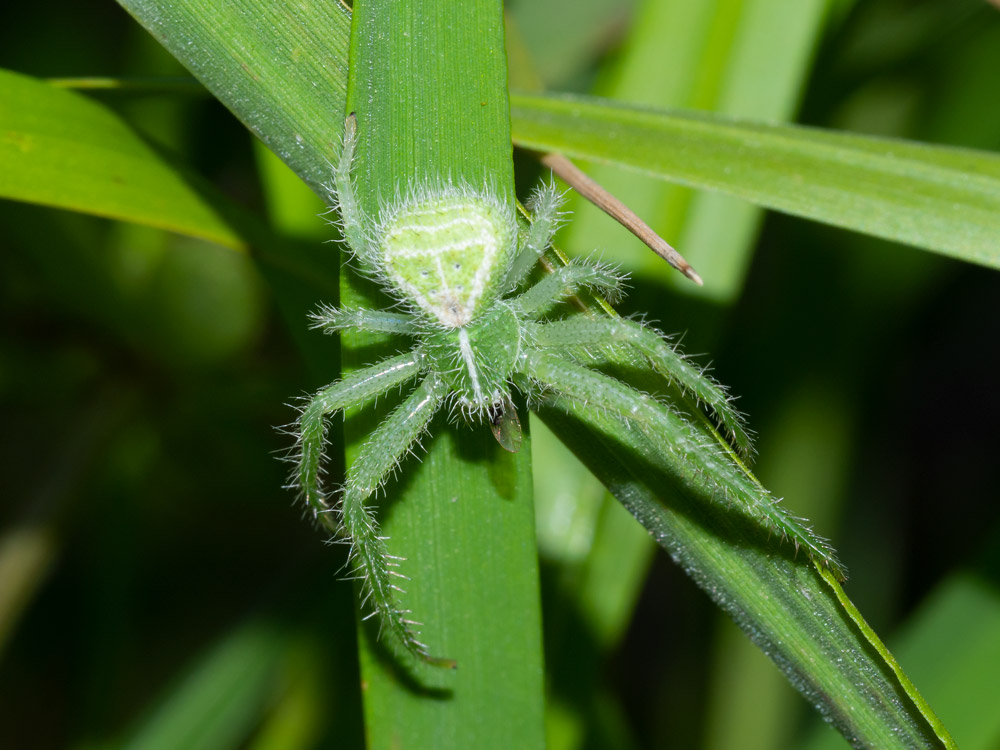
pixel 933 197
pixel 60 148
pixel 235 78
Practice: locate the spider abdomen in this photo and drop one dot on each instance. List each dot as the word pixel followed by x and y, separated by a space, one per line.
pixel 476 361
pixel 446 253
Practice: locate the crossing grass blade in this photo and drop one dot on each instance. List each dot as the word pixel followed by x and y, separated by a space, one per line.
pixel 62 149
pixel 745 59
pixel 932 197
pixel 793 610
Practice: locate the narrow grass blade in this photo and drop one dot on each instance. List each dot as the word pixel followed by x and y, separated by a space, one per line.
pixel 428 85
pixel 281 68
pixel 218 704
pixel 794 611
pixel 951 646
pixel 933 197
pixel 61 149
pixel 746 58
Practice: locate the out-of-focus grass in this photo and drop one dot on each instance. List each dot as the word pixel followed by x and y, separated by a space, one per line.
pixel 149 568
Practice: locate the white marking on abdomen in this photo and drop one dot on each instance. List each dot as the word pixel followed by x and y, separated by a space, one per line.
pixel 463 344
pixel 479 223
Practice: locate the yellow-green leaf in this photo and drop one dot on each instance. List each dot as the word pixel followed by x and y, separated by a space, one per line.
pixel 62 149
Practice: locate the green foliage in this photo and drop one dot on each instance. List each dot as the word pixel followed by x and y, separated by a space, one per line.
pixel 62 149
pixel 139 381
pixel 742 59
pixel 937 198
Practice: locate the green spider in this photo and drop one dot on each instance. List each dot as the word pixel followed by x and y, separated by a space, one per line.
pixel 457 265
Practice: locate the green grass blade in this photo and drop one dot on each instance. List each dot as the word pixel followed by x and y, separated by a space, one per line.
pixel 219 703
pixel 743 58
pixel 464 520
pixel 937 198
pixel 794 611
pixel 59 148
pixel 281 68
pixel 951 645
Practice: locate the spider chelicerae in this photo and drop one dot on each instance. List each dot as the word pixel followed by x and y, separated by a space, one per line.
pixel 458 266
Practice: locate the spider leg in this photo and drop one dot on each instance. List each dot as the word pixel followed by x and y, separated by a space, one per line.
pixel 675 441
pixel 352 220
pixel 356 388
pixel 665 359
pixel 335 319
pixel 564 282
pixel 544 208
pixel 381 454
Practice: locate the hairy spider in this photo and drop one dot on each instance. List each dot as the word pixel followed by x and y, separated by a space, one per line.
pixel 456 263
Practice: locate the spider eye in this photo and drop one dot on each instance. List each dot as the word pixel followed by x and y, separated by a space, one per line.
pixel 458 266
pixel 425 274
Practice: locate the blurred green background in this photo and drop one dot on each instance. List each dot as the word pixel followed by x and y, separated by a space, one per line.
pixel 158 586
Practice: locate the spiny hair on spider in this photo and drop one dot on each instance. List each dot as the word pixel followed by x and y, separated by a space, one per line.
pixel 458 267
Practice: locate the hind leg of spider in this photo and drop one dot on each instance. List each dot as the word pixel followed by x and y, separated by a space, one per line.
pixel 611 335
pixel 356 388
pixel 382 453
pixel 675 441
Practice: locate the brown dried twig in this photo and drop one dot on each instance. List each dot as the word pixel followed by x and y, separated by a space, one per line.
pixel 592 191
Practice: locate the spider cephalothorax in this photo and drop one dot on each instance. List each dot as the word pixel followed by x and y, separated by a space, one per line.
pixel 457 264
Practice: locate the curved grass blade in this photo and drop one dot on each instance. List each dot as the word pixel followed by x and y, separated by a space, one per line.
pixel 792 609
pixel 933 197
pixel 64 150
pixel 59 148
